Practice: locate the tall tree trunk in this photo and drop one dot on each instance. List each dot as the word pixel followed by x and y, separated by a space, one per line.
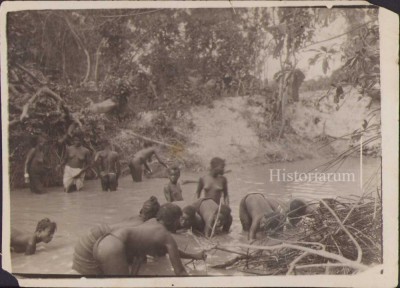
pixel 82 46
pixel 64 64
pixel 282 92
pixel 96 65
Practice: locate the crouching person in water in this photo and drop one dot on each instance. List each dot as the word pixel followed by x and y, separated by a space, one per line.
pixel 190 219
pixel 172 190
pixel 208 211
pixel 258 213
pixel 140 159
pixel 115 250
pixel 108 167
pixel 24 242
pixel 84 260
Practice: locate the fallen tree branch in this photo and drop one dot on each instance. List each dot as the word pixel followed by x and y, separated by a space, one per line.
pixel 152 140
pixel 294 262
pixel 359 250
pixel 321 265
pixel 41 92
pixel 229 262
pixel 230 251
pixel 30 74
pixel 325 254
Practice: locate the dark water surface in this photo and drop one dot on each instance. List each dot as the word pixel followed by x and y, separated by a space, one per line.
pixel 76 213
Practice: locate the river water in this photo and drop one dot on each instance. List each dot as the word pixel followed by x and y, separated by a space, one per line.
pixel 75 213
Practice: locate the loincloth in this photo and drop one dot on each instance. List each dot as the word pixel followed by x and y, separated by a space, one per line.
pixel 68 179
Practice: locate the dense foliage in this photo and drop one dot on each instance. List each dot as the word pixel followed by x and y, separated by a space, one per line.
pixel 157 59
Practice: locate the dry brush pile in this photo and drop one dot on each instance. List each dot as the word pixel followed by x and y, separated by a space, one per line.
pixel 340 236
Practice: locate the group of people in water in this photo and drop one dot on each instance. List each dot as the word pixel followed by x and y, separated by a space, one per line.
pixel 120 248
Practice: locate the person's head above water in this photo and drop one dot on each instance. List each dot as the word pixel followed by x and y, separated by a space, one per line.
pixel 188 217
pixel 297 209
pixel 174 173
pixel 150 208
pixel 169 215
pixel 45 230
pixel 217 166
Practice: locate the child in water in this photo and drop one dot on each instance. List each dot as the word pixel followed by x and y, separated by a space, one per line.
pixel 172 190
pixel 23 242
pixel 215 184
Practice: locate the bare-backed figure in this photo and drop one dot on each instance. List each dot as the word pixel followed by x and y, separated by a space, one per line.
pixel 116 250
pixel 35 169
pixel 76 161
pixel 172 190
pixel 84 260
pixel 140 160
pixel 208 210
pixel 108 167
pixel 258 213
pixel 215 185
pixel 26 242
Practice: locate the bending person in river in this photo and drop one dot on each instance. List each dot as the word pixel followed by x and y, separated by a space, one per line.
pixel 26 242
pixel 258 213
pixel 84 260
pixel 140 160
pixel 215 185
pixel 76 161
pixel 108 167
pixel 212 215
pixel 35 170
pixel 115 251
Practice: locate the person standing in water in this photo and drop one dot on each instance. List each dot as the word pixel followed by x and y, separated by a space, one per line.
pixel 108 167
pixel 172 190
pixel 35 170
pixel 76 161
pixel 215 185
pixel 140 159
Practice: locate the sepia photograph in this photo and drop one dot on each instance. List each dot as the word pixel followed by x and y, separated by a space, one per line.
pixel 233 141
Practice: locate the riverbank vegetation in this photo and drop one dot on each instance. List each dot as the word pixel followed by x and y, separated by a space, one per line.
pixel 129 75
